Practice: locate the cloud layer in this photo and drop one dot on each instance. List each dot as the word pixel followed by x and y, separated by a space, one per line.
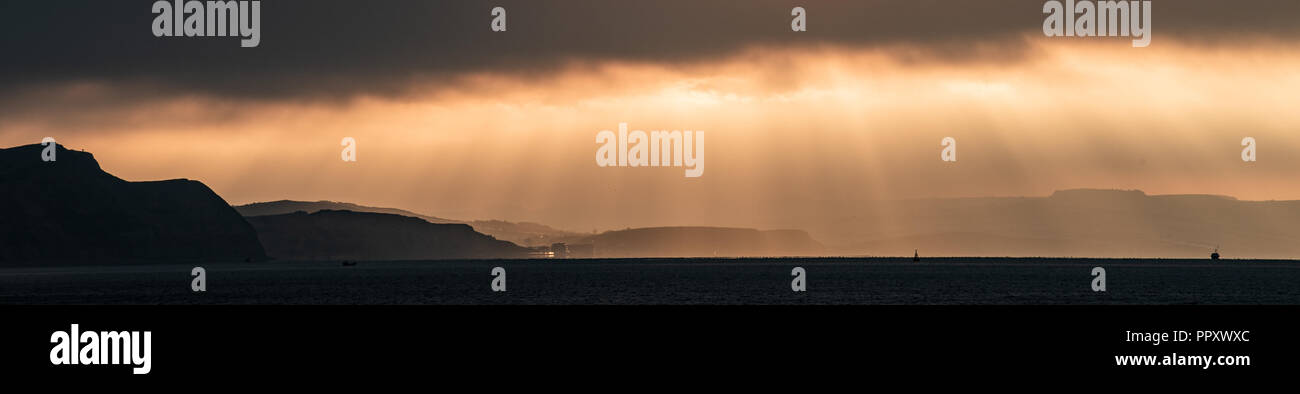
pixel 333 48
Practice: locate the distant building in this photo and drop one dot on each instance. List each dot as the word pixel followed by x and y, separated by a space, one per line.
pixel 559 250
pixel 539 252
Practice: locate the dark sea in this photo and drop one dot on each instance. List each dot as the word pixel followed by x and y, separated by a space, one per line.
pixel 670 281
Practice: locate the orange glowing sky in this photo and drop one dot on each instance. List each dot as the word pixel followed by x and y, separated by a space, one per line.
pixel 811 130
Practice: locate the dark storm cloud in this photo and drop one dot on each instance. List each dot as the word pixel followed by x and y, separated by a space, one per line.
pixel 342 48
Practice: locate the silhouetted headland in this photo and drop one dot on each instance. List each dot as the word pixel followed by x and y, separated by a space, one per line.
pixel 69 211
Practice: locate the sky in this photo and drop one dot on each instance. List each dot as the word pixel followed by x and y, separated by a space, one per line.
pixel 454 120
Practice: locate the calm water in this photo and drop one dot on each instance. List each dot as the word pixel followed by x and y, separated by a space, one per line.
pixel 670 281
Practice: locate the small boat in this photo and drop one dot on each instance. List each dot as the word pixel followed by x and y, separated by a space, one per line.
pixel 916 255
pixel 1215 255
pixel 349 263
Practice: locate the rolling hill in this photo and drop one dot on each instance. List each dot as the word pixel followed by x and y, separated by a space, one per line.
pixel 347 235
pixel 521 233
